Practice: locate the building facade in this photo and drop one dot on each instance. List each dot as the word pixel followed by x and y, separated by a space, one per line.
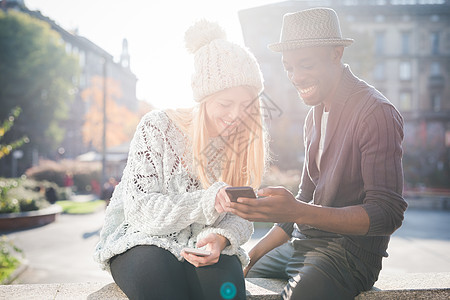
pixel 94 62
pixel 402 47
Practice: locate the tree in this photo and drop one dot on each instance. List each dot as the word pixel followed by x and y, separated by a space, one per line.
pixel 6 149
pixel 121 122
pixel 37 75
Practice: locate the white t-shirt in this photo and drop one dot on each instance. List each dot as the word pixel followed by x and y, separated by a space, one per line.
pixel 323 129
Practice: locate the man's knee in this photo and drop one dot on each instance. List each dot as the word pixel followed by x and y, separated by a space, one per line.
pixel 273 264
pixel 312 283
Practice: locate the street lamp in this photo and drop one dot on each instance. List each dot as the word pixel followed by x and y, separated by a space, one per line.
pixel 105 120
pixel 17 154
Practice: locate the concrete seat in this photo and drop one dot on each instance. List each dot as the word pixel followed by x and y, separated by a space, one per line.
pixel 389 286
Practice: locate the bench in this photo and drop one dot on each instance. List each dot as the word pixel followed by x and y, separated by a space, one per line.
pixel 389 286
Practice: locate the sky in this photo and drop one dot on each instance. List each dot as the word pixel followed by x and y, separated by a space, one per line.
pixel 155 33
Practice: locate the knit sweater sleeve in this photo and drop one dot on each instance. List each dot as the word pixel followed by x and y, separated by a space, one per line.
pixel 381 153
pixel 148 206
pixel 237 230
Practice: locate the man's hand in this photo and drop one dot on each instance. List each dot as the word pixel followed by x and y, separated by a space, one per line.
pixel 274 238
pixel 279 205
pixel 276 204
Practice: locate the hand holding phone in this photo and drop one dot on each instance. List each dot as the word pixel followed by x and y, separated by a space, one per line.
pixel 236 192
pixel 196 251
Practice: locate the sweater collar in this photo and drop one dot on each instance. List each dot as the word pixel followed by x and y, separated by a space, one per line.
pixel 345 89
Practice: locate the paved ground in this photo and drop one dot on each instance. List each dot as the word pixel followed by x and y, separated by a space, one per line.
pixel 62 251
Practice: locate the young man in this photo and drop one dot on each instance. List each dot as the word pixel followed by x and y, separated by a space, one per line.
pixel 329 240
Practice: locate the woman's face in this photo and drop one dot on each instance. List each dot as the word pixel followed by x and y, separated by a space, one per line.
pixel 229 108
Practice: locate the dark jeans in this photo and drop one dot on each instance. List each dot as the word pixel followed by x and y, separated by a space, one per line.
pixel 150 272
pixel 316 269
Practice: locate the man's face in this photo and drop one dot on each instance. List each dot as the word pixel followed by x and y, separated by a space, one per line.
pixel 314 72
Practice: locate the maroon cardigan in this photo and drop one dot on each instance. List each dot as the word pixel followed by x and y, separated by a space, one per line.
pixel 361 165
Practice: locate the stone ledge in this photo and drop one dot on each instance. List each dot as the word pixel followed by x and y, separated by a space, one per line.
pixel 389 286
pixel 28 219
pixel 410 286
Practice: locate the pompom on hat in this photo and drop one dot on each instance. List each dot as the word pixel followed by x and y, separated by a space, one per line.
pixel 218 63
pixel 310 28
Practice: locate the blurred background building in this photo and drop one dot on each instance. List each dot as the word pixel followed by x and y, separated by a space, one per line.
pixel 94 63
pixel 402 47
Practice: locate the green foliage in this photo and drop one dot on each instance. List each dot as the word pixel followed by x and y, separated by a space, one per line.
pixel 36 74
pixel 9 261
pixel 6 149
pixel 72 207
pixel 19 195
pixel 7 204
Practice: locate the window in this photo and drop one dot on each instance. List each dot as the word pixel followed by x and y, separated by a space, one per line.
pixel 405 101
pixel 405 71
pixel 68 48
pixel 435 69
pixel 436 102
pixel 83 81
pixel 378 73
pixel 350 18
pixel 434 18
pixel 350 2
pixel 406 45
pixel 379 18
pixel 434 37
pixel 82 58
pixel 379 43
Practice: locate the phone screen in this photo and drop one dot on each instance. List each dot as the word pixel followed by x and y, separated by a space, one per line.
pixel 240 191
pixel 196 251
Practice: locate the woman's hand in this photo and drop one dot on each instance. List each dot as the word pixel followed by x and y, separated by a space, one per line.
pixel 221 200
pixel 214 243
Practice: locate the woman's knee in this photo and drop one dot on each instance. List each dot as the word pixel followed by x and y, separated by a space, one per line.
pixel 148 272
pixel 223 280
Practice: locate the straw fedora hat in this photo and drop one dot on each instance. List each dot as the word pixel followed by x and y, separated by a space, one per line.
pixel 310 28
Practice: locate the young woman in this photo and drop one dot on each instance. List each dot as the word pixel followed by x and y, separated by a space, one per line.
pixel 172 196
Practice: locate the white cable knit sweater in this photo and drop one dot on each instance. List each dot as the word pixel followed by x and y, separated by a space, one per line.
pixel 159 202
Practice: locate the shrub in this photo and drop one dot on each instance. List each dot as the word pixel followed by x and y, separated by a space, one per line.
pixel 7 204
pixel 8 258
pixel 19 195
pixel 84 173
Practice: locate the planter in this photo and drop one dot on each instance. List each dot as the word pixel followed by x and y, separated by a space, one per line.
pixel 28 219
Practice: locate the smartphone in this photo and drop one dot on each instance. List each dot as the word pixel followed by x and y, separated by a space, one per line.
pixel 196 251
pixel 236 192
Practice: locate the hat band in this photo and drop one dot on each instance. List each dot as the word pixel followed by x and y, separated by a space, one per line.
pixel 293 44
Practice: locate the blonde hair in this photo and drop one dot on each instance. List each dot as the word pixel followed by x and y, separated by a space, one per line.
pixel 245 154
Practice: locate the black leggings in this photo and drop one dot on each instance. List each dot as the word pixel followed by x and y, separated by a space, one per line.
pixel 150 272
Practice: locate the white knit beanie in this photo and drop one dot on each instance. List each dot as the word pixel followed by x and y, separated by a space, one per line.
pixel 219 64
